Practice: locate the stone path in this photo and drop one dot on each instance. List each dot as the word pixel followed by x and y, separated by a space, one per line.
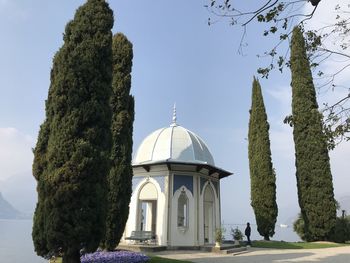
pixel 260 255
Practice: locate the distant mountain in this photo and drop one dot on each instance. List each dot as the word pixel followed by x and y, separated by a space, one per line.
pixel 7 211
pixel 287 214
pixel 20 191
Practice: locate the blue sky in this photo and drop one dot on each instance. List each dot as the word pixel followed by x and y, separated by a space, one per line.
pixel 177 58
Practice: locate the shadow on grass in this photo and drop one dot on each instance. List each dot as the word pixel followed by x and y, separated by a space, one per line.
pixel 251 258
pixel 284 257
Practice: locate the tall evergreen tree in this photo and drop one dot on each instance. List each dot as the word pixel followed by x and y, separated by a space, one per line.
pixel 40 173
pixel 71 158
pixel 120 175
pixel 262 174
pixel 313 173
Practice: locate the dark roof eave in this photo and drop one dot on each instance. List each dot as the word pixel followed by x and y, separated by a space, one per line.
pixel 212 169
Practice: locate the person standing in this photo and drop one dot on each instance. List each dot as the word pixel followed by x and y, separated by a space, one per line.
pixel 247 232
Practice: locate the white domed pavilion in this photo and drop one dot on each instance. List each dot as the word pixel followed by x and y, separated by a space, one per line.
pixel 176 189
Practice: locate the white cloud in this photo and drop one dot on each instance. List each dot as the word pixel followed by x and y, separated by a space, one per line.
pixel 325 13
pixel 283 97
pixel 340 168
pixel 15 152
pixel 325 16
pixel 282 145
pixel 281 138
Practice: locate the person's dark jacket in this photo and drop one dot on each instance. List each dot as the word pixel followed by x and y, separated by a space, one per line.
pixel 247 231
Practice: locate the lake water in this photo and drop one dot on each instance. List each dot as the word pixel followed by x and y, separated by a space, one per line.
pixel 16 244
pixel 281 233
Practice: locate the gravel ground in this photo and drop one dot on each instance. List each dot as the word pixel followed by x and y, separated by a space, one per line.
pixel 260 255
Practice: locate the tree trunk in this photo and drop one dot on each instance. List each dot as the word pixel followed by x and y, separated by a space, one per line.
pixel 267 238
pixel 71 256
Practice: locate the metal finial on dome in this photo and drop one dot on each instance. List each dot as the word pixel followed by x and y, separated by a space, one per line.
pixel 174 116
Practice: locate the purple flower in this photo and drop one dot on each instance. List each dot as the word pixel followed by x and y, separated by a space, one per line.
pixel 114 257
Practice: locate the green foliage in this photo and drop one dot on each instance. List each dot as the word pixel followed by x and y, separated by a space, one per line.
pixel 299 227
pixel 277 19
pixel 71 158
pixel 341 232
pixel 314 178
pixel 262 175
pixel 219 234
pixel 120 175
pixel 39 173
pixel 236 234
pixel 55 260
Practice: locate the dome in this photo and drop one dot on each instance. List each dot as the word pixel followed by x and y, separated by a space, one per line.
pixel 173 143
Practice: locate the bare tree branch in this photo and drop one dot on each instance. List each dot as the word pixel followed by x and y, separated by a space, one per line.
pixel 280 16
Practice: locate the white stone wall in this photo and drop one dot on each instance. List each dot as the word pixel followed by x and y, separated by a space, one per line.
pixel 216 217
pixel 167 205
pixel 161 226
pixel 183 236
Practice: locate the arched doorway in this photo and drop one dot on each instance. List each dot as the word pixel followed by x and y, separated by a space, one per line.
pixel 209 217
pixel 147 208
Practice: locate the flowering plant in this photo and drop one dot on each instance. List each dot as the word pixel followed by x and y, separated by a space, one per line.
pixel 114 257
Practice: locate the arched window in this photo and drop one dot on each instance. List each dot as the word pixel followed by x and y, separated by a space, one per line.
pixel 182 210
pixel 147 208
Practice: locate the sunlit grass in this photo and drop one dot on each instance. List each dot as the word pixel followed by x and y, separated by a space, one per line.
pixel 295 245
pixel 165 260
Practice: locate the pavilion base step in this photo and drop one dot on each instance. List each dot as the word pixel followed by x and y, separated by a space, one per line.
pixel 228 250
pixel 142 248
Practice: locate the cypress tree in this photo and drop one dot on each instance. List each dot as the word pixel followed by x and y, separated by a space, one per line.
pixel 71 158
pixel 120 175
pixel 262 174
pixel 313 173
pixel 39 170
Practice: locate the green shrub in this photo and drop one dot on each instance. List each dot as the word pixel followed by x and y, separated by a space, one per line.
pixel 236 234
pixel 299 227
pixel 219 234
pixel 341 232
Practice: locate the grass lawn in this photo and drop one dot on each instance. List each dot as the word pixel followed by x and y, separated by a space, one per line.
pixel 165 260
pixel 295 245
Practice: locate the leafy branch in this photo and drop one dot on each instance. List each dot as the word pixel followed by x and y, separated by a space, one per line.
pixel 325 45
